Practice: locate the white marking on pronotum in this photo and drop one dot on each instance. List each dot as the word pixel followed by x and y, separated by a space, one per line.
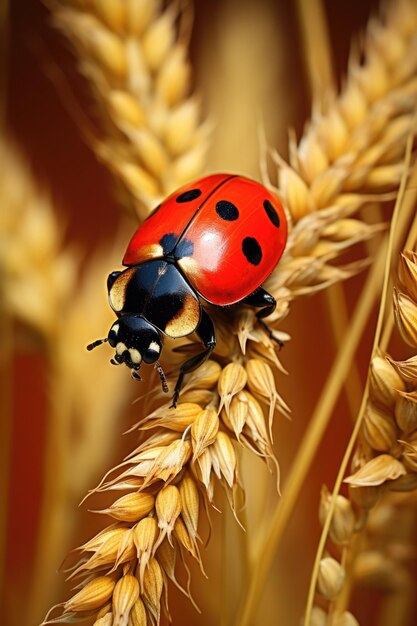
pixel 154 346
pixel 135 355
pixel 116 328
pixel 120 348
pixel 117 293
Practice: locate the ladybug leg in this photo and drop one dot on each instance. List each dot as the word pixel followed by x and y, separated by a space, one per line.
pixel 205 331
pixel 261 298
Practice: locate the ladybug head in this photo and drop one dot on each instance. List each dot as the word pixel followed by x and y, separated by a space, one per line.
pixel 135 340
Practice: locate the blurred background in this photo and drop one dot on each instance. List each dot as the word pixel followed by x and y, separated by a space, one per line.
pixel 249 64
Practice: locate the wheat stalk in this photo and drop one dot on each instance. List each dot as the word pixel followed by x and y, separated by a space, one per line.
pixel 134 56
pixel 349 153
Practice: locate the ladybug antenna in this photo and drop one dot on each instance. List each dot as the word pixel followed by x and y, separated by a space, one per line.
pixel 162 376
pixel 96 343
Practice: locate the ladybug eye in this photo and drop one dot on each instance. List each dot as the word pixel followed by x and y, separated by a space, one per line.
pixel 151 354
pixel 113 335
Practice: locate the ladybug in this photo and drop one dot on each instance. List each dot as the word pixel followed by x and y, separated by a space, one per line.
pixel 215 241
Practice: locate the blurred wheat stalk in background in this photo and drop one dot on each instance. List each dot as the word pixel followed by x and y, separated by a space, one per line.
pixel 37 275
pixel 350 153
pixel 38 279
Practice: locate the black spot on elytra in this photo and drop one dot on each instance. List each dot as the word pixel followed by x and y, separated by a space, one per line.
pixel 252 250
pixel 168 243
pixel 187 196
pixel 184 248
pixel 272 213
pixel 171 247
pixel 227 211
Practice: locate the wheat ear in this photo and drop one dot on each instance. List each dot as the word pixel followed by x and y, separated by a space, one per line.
pixel 134 56
pixel 383 469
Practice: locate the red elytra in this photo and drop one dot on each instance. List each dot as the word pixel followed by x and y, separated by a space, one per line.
pixel 232 232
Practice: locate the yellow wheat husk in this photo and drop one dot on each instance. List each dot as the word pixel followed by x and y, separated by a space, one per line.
pixel 349 155
pixel 134 57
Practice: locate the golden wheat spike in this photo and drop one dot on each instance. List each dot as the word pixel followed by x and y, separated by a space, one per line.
pixel 134 57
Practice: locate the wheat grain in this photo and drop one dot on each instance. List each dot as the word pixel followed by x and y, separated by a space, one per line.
pixel 343 519
pixel 331 577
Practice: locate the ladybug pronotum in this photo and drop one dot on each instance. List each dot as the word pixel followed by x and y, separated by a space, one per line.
pixel 214 241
